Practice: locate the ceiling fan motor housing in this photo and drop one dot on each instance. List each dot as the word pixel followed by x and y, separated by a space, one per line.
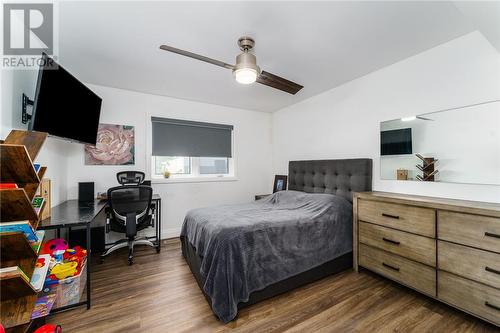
pixel 246 60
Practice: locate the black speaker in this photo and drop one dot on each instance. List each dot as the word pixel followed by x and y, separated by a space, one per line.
pixel 86 192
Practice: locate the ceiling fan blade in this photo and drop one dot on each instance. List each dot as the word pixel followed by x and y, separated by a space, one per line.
pixel 196 56
pixel 277 82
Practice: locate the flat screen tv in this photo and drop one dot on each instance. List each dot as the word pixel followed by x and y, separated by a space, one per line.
pixel 63 106
pixel 396 142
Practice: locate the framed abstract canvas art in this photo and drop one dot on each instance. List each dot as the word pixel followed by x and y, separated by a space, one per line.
pixel 115 146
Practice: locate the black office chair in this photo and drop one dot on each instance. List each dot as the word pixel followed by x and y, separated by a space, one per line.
pixel 130 177
pixel 130 210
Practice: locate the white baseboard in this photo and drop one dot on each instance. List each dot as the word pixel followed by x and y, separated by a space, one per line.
pixel 171 233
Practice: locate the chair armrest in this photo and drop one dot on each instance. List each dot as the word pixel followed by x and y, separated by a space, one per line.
pixel 107 227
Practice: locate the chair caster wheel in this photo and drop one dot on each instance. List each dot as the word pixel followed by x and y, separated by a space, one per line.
pixel 130 261
pixel 158 250
pixel 101 260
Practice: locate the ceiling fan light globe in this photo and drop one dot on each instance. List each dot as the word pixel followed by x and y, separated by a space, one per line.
pixel 245 75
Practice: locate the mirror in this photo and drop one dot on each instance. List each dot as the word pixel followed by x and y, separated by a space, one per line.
pixel 460 145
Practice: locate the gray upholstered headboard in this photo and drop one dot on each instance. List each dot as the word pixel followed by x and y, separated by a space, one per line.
pixel 340 177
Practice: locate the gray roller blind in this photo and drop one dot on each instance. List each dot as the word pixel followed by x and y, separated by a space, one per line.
pixel 174 137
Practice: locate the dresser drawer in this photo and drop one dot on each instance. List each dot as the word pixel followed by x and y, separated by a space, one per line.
pixel 418 248
pixel 478 265
pixel 407 218
pixel 470 296
pixel 410 273
pixel 473 230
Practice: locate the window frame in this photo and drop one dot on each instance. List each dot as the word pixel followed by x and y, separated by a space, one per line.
pixel 194 176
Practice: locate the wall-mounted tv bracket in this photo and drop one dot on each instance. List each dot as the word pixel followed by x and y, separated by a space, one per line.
pixel 26 102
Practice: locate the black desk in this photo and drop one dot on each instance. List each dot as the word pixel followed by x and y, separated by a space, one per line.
pixel 70 214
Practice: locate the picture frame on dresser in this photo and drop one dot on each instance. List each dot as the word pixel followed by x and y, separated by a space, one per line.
pixel 446 249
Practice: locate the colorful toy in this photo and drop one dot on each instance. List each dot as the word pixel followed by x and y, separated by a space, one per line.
pixel 64 270
pixel 55 244
pixel 76 254
pixel 49 328
pixel 58 255
pixel 71 262
pixel 40 262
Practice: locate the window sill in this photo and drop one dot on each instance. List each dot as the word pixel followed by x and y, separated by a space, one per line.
pixel 193 180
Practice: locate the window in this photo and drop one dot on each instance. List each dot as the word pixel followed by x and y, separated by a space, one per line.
pixel 214 165
pixel 188 149
pixel 174 164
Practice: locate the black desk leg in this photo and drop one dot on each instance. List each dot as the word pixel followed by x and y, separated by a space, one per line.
pixel 159 224
pixel 89 259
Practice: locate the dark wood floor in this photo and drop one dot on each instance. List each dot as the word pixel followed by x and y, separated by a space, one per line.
pixel 159 294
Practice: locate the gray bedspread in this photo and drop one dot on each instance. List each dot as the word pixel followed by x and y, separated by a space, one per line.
pixel 245 248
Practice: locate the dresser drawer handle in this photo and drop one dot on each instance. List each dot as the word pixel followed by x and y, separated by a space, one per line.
pixel 390 216
pixel 489 234
pixel 390 241
pixel 491 270
pixel 391 267
pixel 488 304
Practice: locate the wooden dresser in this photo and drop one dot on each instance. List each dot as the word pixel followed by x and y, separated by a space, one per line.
pixel 447 249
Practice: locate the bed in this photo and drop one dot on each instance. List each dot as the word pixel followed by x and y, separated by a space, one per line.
pixel 242 254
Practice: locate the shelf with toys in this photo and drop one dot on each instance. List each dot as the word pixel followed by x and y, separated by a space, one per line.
pixel 19 240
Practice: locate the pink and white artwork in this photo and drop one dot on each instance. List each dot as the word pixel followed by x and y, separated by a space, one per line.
pixel 115 146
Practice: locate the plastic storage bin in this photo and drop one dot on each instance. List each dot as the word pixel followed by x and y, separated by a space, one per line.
pixel 70 290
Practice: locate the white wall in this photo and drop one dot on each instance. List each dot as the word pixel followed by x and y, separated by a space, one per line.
pixel 252 143
pixel 13 84
pixel 344 122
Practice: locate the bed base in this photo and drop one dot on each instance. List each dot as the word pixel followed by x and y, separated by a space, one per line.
pixel 334 266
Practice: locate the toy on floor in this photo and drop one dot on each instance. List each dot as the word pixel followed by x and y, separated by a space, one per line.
pixel 65 270
pixel 56 244
pixel 70 264
pixel 49 328
pixel 78 255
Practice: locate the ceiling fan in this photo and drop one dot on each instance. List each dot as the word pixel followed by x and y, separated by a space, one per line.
pixel 246 70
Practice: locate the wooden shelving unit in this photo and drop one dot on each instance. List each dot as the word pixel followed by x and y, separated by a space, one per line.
pixel 16 251
pixel 16 205
pixel 16 165
pixel 18 297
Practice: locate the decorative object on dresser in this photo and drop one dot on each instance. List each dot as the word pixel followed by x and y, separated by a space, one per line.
pixel 447 249
pixel 280 182
pixel 428 168
pixel 402 174
pixel 19 240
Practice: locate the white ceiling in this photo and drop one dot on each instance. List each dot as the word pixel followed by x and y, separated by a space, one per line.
pixel 320 45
